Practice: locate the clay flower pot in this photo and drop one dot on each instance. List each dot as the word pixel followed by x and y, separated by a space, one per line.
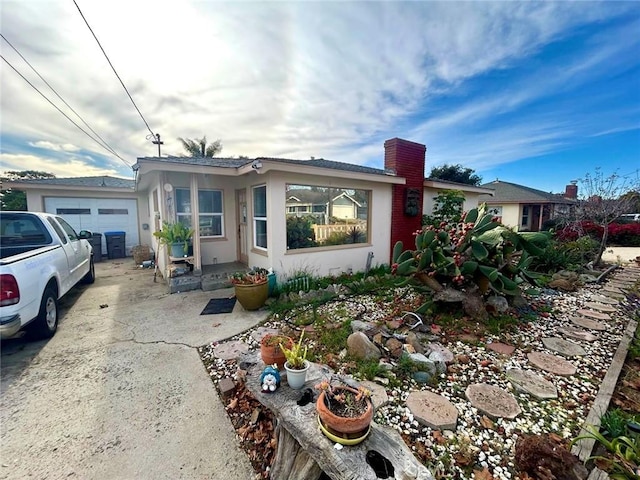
pixel 270 350
pixel 344 426
pixel 252 296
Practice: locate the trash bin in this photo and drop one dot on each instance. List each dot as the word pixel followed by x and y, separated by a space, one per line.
pixel 96 244
pixel 115 244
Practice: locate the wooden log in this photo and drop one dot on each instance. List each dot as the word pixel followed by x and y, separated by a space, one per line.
pixel 347 463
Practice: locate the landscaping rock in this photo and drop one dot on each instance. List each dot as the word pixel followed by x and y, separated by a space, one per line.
pixel 423 363
pixel 379 395
pixel 588 323
pixel 605 300
pixel 501 348
pixel 593 314
pixel 563 347
pixel 493 401
pixel 367 328
pixel 395 347
pixel 412 339
pixel 600 307
pixel 497 303
pixel 445 354
pixel 552 364
pixel 359 346
pixel 230 350
pixel 532 384
pixel 433 410
pixel 422 377
pixel 577 334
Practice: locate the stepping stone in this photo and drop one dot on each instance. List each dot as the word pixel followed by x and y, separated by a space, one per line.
pixel 531 383
pixel 501 348
pixel 444 354
pixel 379 395
pixel 613 293
pixel 230 350
pixel 605 300
pixel 588 323
pixel 260 332
pixel 610 289
pixel 493 401
pixel 593 314
pixel 600 307
pixel 433 410
pixel 620 285
pixel 563 347
pixel 577 334
pixel 552 364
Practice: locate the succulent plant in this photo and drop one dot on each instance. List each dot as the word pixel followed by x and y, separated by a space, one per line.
pixel 478 251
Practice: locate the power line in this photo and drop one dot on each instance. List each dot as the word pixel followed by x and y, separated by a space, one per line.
pixel 114 70
pixel 56 107
pixel 104 142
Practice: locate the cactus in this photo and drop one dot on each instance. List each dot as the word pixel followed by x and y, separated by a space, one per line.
pixel 479 251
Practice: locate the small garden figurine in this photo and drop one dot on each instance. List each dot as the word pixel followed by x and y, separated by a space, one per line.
pixel 270 379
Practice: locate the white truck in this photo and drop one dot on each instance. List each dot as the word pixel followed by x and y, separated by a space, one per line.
pixel 41 259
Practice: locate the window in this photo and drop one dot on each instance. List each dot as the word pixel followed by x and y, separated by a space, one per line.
pixel 260 217
pixel 525 217
pixel 496 212
pixel 68 229
pixel 113 211
pixel 329 216
pixel 73 211
pixel 210 211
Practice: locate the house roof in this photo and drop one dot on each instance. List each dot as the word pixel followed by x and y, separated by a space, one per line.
pixel 507 192
pixel 90 182
pixel 239 162
pixel 465 187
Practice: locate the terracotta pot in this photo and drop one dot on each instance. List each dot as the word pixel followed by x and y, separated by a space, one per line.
pixel 344 425
pixel 253 296
pixel 272 354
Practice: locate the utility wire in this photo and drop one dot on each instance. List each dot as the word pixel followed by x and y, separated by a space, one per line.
pixel 104 142
pixel 114 70
pixel 56 107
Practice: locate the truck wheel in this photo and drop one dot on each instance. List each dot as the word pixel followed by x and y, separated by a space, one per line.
pixel 46 323
pixel 90 277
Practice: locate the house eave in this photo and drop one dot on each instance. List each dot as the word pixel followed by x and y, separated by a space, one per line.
pixel 456 186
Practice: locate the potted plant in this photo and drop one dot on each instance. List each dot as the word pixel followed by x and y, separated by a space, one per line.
pixel 270 350
pixel 296 364
pixel 176 236
pixel 344 413
pixel 251 288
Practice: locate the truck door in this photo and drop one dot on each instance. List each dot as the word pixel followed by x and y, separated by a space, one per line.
pixel 76 257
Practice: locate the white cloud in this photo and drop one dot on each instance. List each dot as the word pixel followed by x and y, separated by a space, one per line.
pixel 326 79
pixel 73 167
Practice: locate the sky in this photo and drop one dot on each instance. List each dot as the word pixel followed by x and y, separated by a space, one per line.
pixel 534 93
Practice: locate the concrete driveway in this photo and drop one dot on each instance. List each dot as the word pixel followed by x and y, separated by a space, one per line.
pixel 120 391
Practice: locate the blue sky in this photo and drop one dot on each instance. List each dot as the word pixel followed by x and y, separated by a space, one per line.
pixel 535 93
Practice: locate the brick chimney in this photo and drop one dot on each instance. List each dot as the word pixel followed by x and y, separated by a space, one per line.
pixel 571 190
pixel 406 159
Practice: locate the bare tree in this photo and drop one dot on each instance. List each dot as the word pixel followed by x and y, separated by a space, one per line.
pixel 603 200
pixel 199 147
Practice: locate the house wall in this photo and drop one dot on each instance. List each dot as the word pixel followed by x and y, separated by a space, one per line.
pixel 322 260
pixel 511 214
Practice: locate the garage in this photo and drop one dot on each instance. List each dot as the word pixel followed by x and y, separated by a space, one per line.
pixel 98 215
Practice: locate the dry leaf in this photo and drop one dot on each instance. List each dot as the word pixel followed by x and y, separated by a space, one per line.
pixel 438 437
pixel 483 474
pixel 233 404
pixel 486 422
pixel 216 324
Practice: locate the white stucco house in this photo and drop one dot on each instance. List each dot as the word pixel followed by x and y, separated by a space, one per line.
pixel 245 210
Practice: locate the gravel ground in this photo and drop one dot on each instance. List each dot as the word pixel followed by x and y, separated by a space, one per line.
pixel 480 446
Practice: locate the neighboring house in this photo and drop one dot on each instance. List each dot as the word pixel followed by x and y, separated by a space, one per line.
pixel 527 208
pixel 99 204
pixel 239 207
pixel 435 186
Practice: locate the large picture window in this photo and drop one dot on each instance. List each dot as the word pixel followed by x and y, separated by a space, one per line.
pixel 210 211
pixel 260 217
pixel 324 216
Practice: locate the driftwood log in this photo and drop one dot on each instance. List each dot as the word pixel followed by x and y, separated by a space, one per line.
pixel 304 453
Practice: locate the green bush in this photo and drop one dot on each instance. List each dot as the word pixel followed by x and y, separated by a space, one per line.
pixel 300 232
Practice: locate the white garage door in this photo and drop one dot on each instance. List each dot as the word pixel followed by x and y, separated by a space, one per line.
pixel 98 215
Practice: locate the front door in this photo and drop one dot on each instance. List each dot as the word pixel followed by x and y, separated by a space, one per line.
pixel 241 214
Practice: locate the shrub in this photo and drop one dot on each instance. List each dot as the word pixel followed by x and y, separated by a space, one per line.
pixel 300 232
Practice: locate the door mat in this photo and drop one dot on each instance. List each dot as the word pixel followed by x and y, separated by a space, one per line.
pixel 219 305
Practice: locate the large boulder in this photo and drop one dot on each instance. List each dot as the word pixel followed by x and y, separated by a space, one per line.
pixel 359 346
